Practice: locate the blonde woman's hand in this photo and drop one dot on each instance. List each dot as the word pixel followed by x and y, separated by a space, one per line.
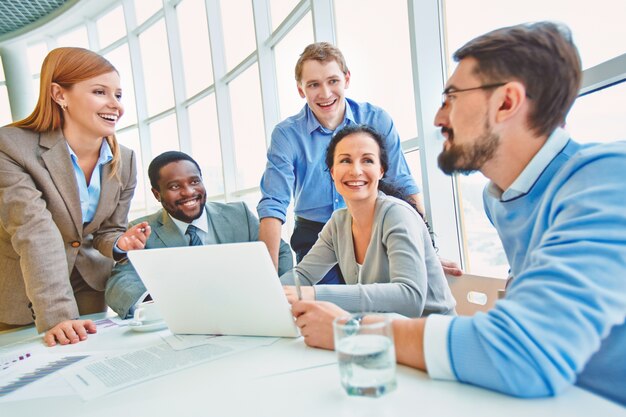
pixel 69 332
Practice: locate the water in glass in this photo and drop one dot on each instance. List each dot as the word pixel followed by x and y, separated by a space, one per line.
pixel 367 364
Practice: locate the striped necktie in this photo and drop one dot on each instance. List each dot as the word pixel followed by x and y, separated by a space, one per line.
pixel 194 239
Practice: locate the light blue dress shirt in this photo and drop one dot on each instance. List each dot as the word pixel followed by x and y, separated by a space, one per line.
pixel 90 193
pixel 295 163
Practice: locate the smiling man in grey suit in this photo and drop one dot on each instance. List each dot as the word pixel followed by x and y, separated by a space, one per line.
pixel 186 219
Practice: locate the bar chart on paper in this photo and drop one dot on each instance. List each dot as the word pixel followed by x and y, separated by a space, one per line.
pixel 8 361
pixel 38 374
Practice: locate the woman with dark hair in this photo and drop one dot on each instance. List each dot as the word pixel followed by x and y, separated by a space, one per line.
pixel 380 242
pixel 65 191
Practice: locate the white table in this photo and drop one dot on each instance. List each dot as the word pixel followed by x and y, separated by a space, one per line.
pixel 286 379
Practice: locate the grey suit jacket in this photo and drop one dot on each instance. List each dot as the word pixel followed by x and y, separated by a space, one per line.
pixel 233 222
pixel 42 237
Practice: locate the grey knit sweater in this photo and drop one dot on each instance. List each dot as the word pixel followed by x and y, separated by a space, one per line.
pixel 401 272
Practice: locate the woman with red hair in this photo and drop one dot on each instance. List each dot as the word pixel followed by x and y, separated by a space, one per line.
pixel 65 191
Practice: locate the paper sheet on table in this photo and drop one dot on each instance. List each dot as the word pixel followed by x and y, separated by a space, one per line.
pixel 186 341
pixel 33 348
pixel 112 373
pixel 37 378
pixel 109 323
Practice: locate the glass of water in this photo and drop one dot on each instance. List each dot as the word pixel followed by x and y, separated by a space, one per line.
pixel 366 354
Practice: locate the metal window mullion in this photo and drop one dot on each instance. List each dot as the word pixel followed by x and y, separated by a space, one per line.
pixel 156 117
pixel 410 145
pixel 294 17
pixel 267 68
pixel 604 74
pixel 112 46
pixel 148 22
pixel 222 98
pixel 240 68
pixel 92 34
pixel 178 77
pixel 324 21
pixel 427 57
pixel 136 65
pixel 51 42
pixel 200 95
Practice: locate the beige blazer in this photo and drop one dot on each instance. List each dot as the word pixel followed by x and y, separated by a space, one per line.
pixel 42 238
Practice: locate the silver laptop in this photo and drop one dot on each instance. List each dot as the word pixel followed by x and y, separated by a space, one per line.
pixel 229 289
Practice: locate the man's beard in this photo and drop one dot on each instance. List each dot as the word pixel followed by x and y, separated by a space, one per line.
pixel 180 214
pixel 470 157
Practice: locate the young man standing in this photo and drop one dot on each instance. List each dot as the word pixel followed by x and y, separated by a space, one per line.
pixel 559 208
pixel 295 163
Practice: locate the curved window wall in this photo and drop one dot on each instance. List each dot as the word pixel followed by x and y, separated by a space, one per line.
pixel 594 117
pixel 212 78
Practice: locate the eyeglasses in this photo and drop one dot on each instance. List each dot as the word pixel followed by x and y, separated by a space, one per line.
pixel 446 95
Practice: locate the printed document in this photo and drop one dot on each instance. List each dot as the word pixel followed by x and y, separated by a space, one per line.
pixel 108 374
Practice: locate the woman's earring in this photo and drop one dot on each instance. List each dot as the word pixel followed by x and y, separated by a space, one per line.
pixel 64 107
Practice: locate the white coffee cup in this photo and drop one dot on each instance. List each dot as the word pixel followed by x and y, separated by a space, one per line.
pixel 147 313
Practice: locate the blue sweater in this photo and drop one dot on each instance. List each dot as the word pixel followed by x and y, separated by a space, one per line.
pixel 562 321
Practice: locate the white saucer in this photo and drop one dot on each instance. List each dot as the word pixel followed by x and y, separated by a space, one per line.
pixel 139 327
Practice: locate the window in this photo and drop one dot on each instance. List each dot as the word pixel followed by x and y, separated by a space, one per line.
pixel 594 117
pixel 251 200
pixel 205 143
pixel 36 54
pixel 280 9
pixel 111 27
pixel 157 70
pixel 287 52
pixel 238 25
pixel 130 139
pixel 145 9
pixel 194 42
pixel 599 116
pixel 375 44
pixel 77 38
pixel 164 135
pixel 413 159
pixel 483 250
pixel 36 88
pixel 468 19
pixel 248 130
pixel 121 61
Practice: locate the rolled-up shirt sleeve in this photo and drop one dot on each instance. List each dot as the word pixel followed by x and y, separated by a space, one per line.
pixel 278 179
